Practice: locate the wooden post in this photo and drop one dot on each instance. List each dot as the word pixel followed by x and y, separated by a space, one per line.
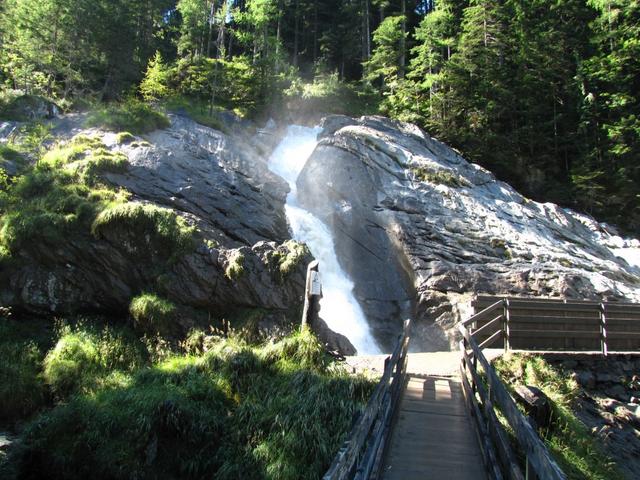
pixel 603 331
pixel 505 324
pixel 311 291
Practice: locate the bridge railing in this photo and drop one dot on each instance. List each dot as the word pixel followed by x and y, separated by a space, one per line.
pixel 360 456
pixel 551 324
pixel 483 390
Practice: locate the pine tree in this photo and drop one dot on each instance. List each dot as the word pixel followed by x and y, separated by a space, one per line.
pixel 154 85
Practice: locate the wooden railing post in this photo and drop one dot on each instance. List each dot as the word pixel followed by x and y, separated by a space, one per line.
pixel 312 293
pixel 603 330
pixel 505 325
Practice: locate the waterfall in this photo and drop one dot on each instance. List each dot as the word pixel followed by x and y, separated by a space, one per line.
pixel 338 306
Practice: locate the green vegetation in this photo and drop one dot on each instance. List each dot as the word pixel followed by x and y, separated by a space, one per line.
pixel 160 228
pixel 296 252
pixel 221 408
pixel 546 96
pixel 235 265
pixel 440 177
pixel 124 138
pixel 22 388
pixel 133 116
pixel 568 439
pixel 60 195
pixel 153 315
pixel 86 157
pixel 197 109
pixel 85 357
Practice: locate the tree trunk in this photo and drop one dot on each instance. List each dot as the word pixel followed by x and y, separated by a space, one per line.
pixel 212 12
pixel 315 31
pixel 403 43
pixel 295 33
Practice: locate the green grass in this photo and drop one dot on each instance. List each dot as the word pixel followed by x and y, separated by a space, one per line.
pixel 85 357
pixel 569 440
pixel 235 266
pixel 289 256
pixel 132 116
pixel 149 226
pixel 23 344
pixel 152 314
pixel 226 410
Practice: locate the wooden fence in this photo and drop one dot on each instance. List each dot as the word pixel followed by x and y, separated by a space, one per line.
pixel 486 395
pixel 360 457
pixel 550 324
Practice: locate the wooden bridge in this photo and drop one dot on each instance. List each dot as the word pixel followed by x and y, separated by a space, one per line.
pixel 436 415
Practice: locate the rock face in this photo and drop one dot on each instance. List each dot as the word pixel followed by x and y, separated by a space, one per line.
pixel 420 230
pixel 216 183
pixel 225 184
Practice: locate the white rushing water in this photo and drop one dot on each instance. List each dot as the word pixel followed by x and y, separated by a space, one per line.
pixel 339 308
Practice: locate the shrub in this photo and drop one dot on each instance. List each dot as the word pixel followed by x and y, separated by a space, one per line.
pixel 165 422
pixel 153 315
pixel 22 346
pixel 133 116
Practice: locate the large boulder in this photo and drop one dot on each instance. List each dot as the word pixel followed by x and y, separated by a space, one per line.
pixel 217 183
pixel 420 229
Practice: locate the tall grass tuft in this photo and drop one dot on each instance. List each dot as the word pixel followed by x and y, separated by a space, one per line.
pixel 232 410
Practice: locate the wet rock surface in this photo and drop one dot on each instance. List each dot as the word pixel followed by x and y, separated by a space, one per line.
pixel 420 229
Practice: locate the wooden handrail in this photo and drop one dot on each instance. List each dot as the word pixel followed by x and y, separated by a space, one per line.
pixel 494 436
pixel 360 456
pixel 557 324
pixel 482 313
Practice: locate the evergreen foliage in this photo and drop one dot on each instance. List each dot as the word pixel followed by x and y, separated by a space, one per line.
pixel 544 94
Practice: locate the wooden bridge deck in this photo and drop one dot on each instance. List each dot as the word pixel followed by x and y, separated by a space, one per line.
pixel 433 438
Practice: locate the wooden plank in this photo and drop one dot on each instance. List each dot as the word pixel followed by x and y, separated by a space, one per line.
pixel 542 319
pixel 529 441
pixel 522 333
pixel 564 307
pixel 622 335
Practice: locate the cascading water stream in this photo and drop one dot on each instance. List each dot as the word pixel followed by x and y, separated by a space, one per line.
pixel 339 308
